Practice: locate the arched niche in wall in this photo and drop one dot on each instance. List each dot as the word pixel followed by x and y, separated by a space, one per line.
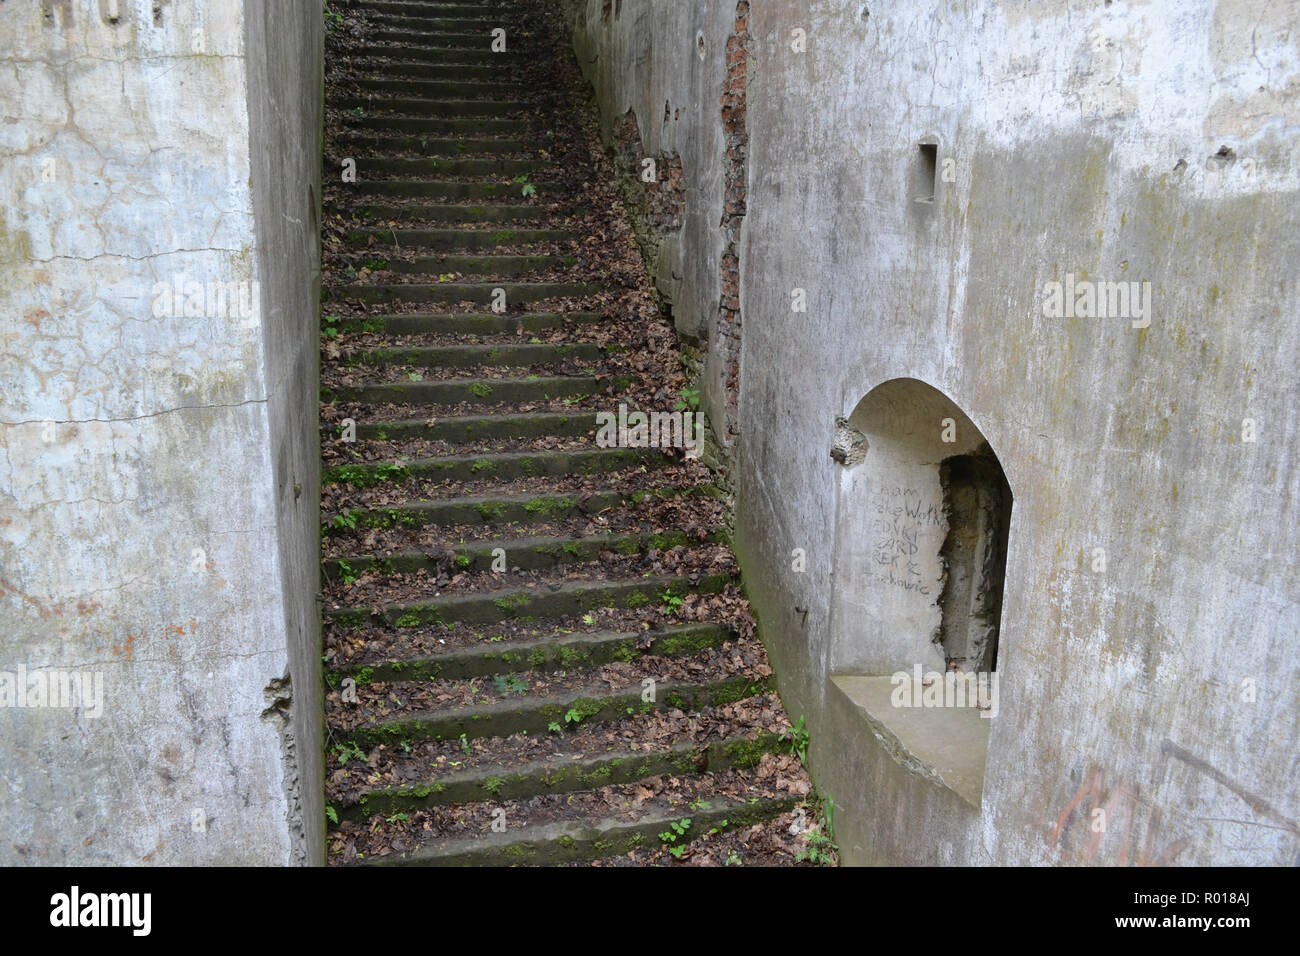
pixel 923 514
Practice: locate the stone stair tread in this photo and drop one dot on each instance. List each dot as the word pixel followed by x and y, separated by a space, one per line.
pixel 580 841
pixel 515 656
pixel 580 771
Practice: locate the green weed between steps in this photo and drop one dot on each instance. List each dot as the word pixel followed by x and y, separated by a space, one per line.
pixel 672 603
pixel 676 831
pixel 510 685
pixel 364 476
pixel 581 710
pixel 798 739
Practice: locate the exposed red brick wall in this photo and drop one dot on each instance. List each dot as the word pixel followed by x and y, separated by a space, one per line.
pixel 734 90
pixel 664 199
pixel 667 194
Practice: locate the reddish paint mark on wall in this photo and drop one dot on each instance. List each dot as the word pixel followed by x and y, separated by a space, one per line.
pixel 1084 833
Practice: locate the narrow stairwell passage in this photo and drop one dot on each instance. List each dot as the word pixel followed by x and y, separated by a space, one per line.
pixel 537 650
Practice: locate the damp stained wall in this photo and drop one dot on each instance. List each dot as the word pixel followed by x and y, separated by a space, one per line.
pixel 157 458
pixel 1138 142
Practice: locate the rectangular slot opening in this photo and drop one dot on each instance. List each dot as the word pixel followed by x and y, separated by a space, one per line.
pixel 927 171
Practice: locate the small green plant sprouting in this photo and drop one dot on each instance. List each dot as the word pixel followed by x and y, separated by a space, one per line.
pixel 332 814
pixel 672 603
pixel 464 745
pixel 348 751
pixel 676 831
pixel 798 738
pixel 345 522
pixel 690 400
pixel 589 620
pixel 526 188
pixel 346 574
pixel 363 476
pixel 733 859
pixel 415 376
pixel 399 817
pixel 554 727
pixel 334 21
pixel 820 852
pixel 510 685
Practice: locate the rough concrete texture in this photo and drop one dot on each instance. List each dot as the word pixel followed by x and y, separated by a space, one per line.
pixel 1147 657
pixel 157 501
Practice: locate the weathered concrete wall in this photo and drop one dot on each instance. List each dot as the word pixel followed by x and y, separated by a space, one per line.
pixel 1137 142
pixel 285 106
pixel 157 505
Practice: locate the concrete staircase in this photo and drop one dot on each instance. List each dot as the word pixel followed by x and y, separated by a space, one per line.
pixel 536 648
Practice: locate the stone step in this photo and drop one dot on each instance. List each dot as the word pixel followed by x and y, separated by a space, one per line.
pixel 536 388
pixel 457 238
pixel 481 25
pixel 471 428
pixel 483 293
pixel 569 597
pixel 436 125
pixel 439 89
pixel 433 146
pixel 482 324
pixel 451 212
pixel 449 189
pixel 499 466
pixel 552 844
pixel 527 554
pixel 470 36
pixel 420 166
pixel 558 652
pixel 597 704
pixel 468 356
pixel 411 36
pixel 565 776
pixel 416 8
pixel 363 66
pixel 388 103
pixel 479 265
pixel 398 45
pixel 517 510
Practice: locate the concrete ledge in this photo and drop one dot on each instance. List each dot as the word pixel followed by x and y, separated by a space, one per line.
pixel 946 745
